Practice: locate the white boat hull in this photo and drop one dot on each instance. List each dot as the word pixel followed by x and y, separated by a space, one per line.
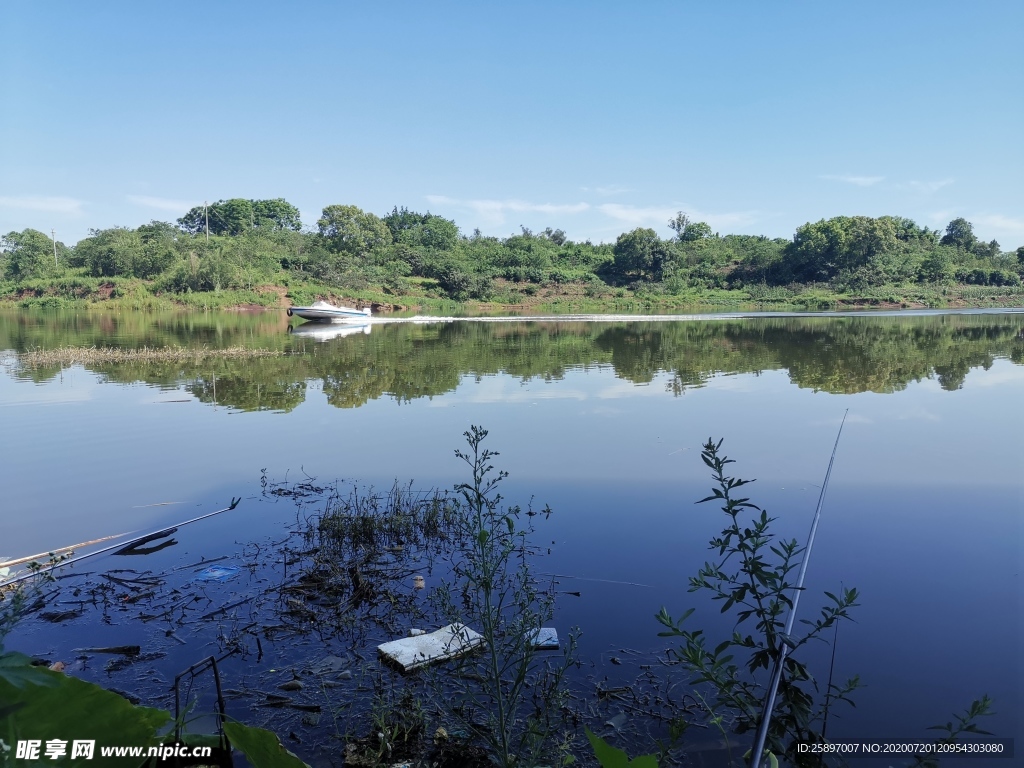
pixel 324 312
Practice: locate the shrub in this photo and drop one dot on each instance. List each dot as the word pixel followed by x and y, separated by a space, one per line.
pixel 507 696
pixel 752 576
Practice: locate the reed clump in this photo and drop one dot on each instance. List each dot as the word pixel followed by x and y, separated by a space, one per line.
pixel 67 356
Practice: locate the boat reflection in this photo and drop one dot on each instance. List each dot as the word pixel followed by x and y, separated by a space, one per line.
pixel 328 331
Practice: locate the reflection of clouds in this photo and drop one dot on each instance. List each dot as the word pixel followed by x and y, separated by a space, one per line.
pixel 853 418
pixel 45 395
pixel 1002 372
pixel 499 389
pixel 730 382
pixel 502 389
pixel 918 414
pixel 625 388
pixel 526 397
pixel 604 410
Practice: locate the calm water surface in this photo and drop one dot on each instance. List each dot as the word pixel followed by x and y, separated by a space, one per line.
pixel 603 421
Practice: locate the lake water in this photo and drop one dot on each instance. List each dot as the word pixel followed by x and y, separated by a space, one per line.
pixel 603 421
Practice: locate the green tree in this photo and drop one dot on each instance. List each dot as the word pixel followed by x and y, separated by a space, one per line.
pixel 908 231
pixel 422 229
pixel 557 236
pixel 821 251
pixel 144 252
pixel 277 214
pixel 237 215
pixel 109 252
pixel 641 254
pixel 687 230
pixel 349 229
pixel 960 233
pixel 29 253
pixel 937 267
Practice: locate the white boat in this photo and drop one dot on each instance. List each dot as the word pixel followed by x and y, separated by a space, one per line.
pixel 323 311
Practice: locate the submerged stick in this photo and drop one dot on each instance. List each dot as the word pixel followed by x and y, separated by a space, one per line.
pixel 784 646
pixel 122 545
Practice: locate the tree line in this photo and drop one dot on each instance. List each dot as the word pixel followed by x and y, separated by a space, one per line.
pixel 242 243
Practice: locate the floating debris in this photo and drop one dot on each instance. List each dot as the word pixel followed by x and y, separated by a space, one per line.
pixel 116 665
pixel 218 573
pixel 55 617
pixel 329 665
pixel 449 642
pixel 122 650
pixel 618 721
pixel 545 639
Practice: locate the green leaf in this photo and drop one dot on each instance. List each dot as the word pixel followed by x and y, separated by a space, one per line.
pixel 612 757
pixel 261 748
pixel 77 710
pixel 16 669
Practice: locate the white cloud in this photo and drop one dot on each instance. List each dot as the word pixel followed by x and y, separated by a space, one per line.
pixel 65 205
pixel 998 221
pixel 986 225
pixel 860 181
pixel 607 191
pixel 636 216
pixel 162 203
pixel 659 215
pixel 942 216
pixel 928 187
pixel 493 211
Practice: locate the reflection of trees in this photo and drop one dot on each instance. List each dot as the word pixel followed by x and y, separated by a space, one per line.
pixel 862 355
pixel 405 361
pixel 21 330
pixel 248 392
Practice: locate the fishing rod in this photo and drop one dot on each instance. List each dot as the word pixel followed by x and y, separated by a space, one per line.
pixel 785 646
pixel 120 545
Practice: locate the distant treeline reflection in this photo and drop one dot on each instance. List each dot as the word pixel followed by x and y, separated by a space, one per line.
pixel 406 361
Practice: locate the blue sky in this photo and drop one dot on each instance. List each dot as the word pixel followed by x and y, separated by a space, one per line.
pixel 592 117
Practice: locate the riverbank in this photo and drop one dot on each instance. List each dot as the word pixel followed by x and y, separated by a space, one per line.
pixel 135 294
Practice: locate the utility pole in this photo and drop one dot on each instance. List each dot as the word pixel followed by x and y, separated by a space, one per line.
pixel 206 213
pixel 53 236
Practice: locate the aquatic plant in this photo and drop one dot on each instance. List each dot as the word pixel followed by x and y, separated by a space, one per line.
pixel 68 356
pixel 752 578
pixel 507 696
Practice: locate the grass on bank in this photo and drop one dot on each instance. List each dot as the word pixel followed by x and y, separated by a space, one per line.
pixel 133 294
